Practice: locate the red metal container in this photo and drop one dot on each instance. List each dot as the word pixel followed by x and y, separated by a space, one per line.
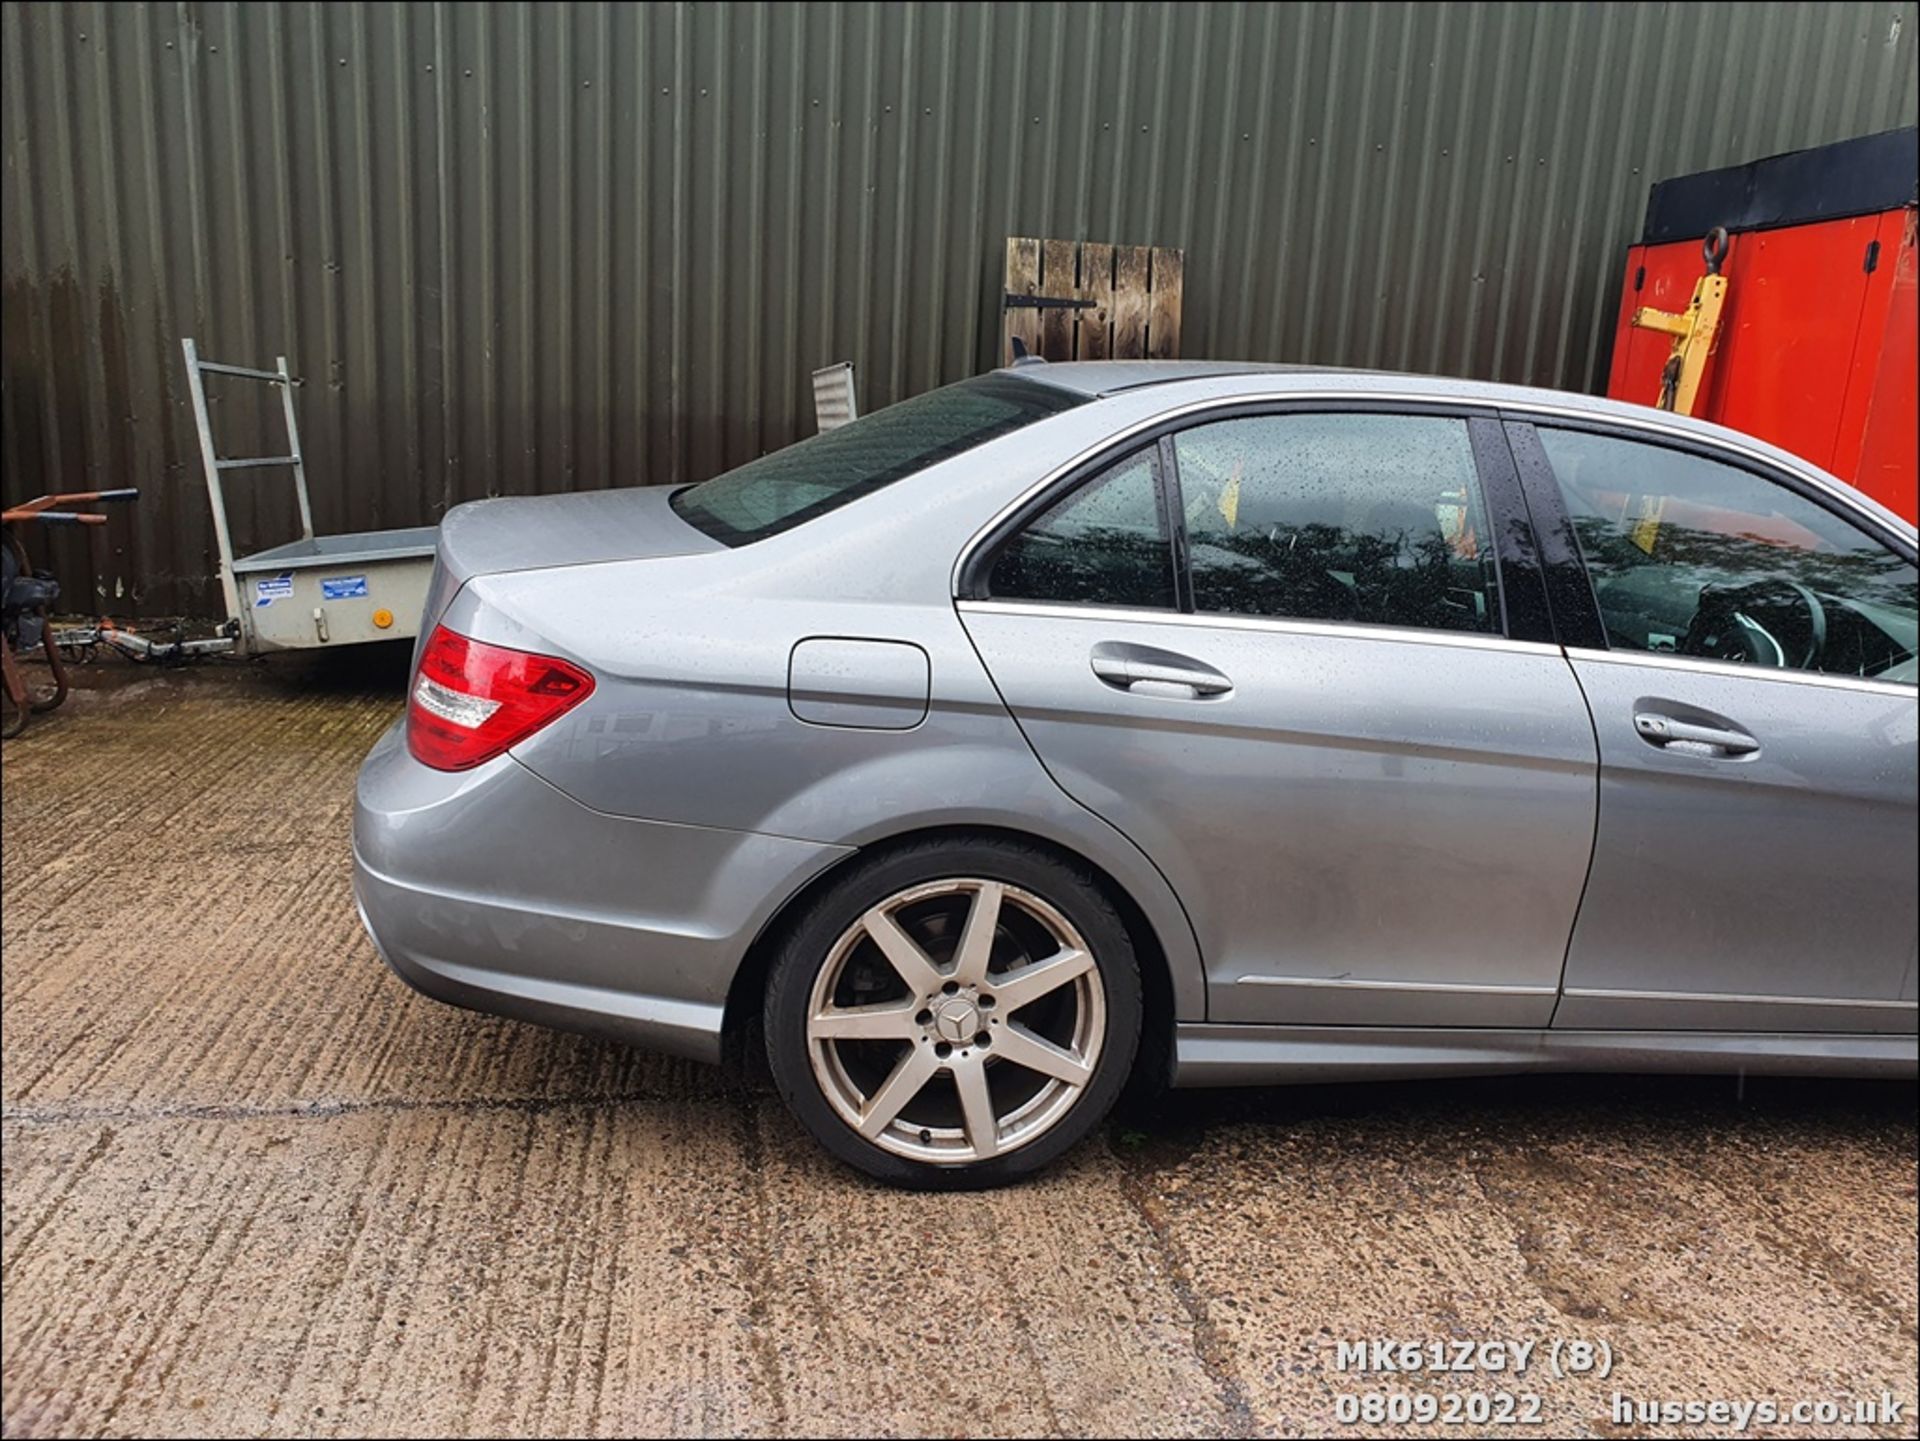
pixel 1819 342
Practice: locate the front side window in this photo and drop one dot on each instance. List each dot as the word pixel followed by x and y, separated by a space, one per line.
pixel 1698 558
pixel 1368 519
pixel 792 486
pixel 1104 544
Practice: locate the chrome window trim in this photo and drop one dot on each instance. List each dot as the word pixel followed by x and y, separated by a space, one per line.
pixel 1694 665
pixel 1507 408
pixel 1331 630
pixel 1725 998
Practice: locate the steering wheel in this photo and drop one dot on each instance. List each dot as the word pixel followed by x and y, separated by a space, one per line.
pixel 1728 625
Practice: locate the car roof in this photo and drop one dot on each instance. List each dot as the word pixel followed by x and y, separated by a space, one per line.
pixel 1110 377
pixel 1221 379
pixel 1101 379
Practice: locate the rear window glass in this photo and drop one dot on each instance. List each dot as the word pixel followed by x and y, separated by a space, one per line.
pixel 792 486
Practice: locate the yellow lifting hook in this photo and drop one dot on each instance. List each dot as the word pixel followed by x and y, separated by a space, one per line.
pixel 1693 331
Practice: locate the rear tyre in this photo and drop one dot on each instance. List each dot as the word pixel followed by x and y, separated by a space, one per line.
pixel 954 1015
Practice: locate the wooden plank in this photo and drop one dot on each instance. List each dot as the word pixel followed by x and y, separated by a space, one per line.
pixel 1023 278
pixel 1096 284
pixel 1163 316
pixel 1057 278
pixel 1130 302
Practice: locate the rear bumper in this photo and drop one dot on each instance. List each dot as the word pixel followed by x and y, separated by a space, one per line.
pixel 491 889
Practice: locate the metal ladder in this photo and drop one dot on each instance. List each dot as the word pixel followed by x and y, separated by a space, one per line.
pixel 197 370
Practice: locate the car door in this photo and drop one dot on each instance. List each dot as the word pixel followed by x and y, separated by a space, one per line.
pixel 1273 649
pixel 1751 677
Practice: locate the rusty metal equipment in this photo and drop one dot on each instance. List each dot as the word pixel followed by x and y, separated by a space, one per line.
pixel 26 598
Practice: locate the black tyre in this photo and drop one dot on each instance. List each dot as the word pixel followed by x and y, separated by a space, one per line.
pixel 952 1015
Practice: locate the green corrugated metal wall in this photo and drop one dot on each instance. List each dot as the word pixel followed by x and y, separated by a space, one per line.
pixel 531 248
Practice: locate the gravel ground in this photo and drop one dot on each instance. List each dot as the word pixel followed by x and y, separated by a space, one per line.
pixel 254 1185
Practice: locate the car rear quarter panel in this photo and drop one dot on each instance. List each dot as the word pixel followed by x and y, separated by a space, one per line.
pixel 690 721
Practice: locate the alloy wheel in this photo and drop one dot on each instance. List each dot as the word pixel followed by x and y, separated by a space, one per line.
pixel 956 1021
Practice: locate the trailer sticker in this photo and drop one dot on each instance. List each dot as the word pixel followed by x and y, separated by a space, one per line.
pixel 343 587
pixel 279 587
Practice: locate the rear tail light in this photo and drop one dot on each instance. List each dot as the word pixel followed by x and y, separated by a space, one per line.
pixel 472 700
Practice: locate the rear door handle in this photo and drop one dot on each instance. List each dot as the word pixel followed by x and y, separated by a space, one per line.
pixel 1125 666
pixel 1664 730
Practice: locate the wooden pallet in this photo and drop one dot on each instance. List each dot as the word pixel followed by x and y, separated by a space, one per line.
pixel 1133 293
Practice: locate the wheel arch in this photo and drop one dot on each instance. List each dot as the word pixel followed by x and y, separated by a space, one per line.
pixel 1161 997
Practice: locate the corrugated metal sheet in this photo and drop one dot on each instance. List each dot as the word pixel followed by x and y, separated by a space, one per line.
pixel 531 248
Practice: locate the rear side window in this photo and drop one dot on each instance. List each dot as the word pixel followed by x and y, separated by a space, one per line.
pixel 1104 544
pixel 793 486
pixel 1698 558
pixel 1366 519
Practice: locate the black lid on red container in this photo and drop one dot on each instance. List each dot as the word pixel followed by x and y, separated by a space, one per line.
pixel 1827 182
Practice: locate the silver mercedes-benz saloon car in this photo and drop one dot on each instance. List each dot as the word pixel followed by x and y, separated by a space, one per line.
pixel 1219 723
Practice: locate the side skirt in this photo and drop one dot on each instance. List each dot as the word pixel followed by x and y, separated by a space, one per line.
pixel 1237 1055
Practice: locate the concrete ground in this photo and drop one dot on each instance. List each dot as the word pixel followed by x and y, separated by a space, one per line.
pixel 253 1185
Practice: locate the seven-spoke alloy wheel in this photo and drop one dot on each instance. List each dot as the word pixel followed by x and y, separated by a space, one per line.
pixel 939 1022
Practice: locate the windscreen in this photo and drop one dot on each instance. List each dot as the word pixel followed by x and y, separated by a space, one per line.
pixel 792 486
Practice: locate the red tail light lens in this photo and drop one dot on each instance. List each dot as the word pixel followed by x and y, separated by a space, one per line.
pixel 472 700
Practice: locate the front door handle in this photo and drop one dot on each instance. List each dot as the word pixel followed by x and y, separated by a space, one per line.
pixel 1665 730
pixel 1125 666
